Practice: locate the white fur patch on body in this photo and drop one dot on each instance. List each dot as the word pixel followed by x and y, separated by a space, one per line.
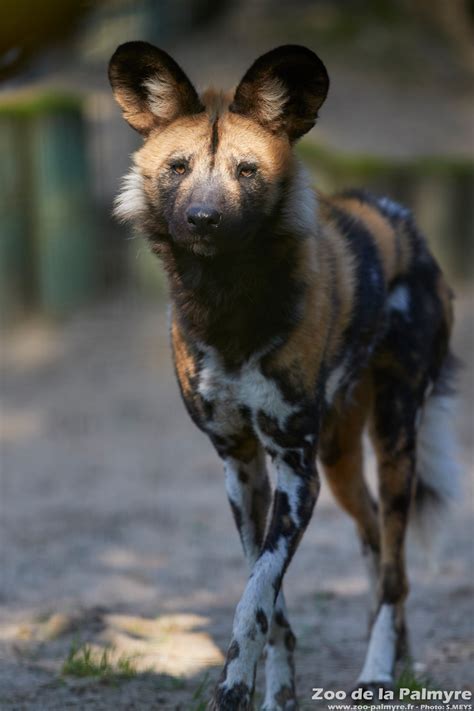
pixel 334 381
pixel 380 658
pixel 399 299
pixel 437 465
pixel 289 484
pixel 130 202
pixel 248 387
pixel 240 493
pixel 438 448
pixel 392 208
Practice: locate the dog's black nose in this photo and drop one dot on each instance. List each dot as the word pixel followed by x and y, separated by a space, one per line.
pixel 202 218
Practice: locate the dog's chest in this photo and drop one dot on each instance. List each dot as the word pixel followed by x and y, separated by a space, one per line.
pixel 240 397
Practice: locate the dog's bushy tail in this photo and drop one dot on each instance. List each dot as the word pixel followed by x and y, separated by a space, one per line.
pixel 438 468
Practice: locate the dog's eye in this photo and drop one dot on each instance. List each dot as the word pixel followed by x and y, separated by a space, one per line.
pixel 247 171
pixel 179 167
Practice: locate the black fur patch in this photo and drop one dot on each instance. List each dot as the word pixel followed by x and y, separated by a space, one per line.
pixel 280 619
pixel 262 620
pixel 214 136
pixel 237 514
pixel 290 641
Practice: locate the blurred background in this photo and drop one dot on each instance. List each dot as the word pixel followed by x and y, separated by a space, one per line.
pixel 116 538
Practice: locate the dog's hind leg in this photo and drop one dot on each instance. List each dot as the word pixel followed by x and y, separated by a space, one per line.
pixel 341 454
pixel 394 438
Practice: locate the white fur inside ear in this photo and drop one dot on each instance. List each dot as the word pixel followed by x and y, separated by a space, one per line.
pixel 162 98
pixel 130 202
pixel 272 99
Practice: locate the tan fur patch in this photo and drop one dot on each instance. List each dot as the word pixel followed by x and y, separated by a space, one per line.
pixel 186 135
pixel 134 112
pixel 240 140
pixel 318 332
pixel 242 137
pixel 184 362
pixel 342 279
pixel 302 354
pixel 381 230
pixel 342 458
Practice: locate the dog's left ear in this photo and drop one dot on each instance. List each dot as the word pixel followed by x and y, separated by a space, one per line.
pixel 283 90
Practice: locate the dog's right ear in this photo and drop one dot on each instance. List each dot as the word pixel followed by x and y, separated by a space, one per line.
pixel 151 89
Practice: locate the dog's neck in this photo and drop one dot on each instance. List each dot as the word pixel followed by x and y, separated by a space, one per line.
pixel 237 303
pixel 241 302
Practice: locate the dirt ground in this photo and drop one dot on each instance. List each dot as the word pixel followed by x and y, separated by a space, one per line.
pixel 116 532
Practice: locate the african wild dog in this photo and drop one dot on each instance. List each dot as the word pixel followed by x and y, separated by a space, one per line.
pixel 296 320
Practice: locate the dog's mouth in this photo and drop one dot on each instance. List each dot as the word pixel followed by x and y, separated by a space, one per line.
pixel 210 245
pixel 203 246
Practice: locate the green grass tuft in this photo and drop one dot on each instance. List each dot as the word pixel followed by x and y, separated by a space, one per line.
pixel 82 662
pixel 409 679
pixel 199 697
pixel 126 668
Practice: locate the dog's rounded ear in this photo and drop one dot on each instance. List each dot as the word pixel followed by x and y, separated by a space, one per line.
pixel 283 90
pixel 151 89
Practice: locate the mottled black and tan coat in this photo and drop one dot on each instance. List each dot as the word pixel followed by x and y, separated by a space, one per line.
pixel 297 320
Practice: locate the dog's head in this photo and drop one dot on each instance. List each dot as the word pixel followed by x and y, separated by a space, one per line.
pixel 213 168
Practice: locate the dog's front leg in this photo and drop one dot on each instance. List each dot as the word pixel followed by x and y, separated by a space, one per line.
pixel 295 495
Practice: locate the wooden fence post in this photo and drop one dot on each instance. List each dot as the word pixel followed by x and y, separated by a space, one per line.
pixel 63 220
pixel 16 287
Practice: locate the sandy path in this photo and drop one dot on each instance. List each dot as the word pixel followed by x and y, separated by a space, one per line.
pixel 116 530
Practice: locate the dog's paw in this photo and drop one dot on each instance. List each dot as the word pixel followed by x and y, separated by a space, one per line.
pixel 233 698
pixel 283 700
pixel 376 688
